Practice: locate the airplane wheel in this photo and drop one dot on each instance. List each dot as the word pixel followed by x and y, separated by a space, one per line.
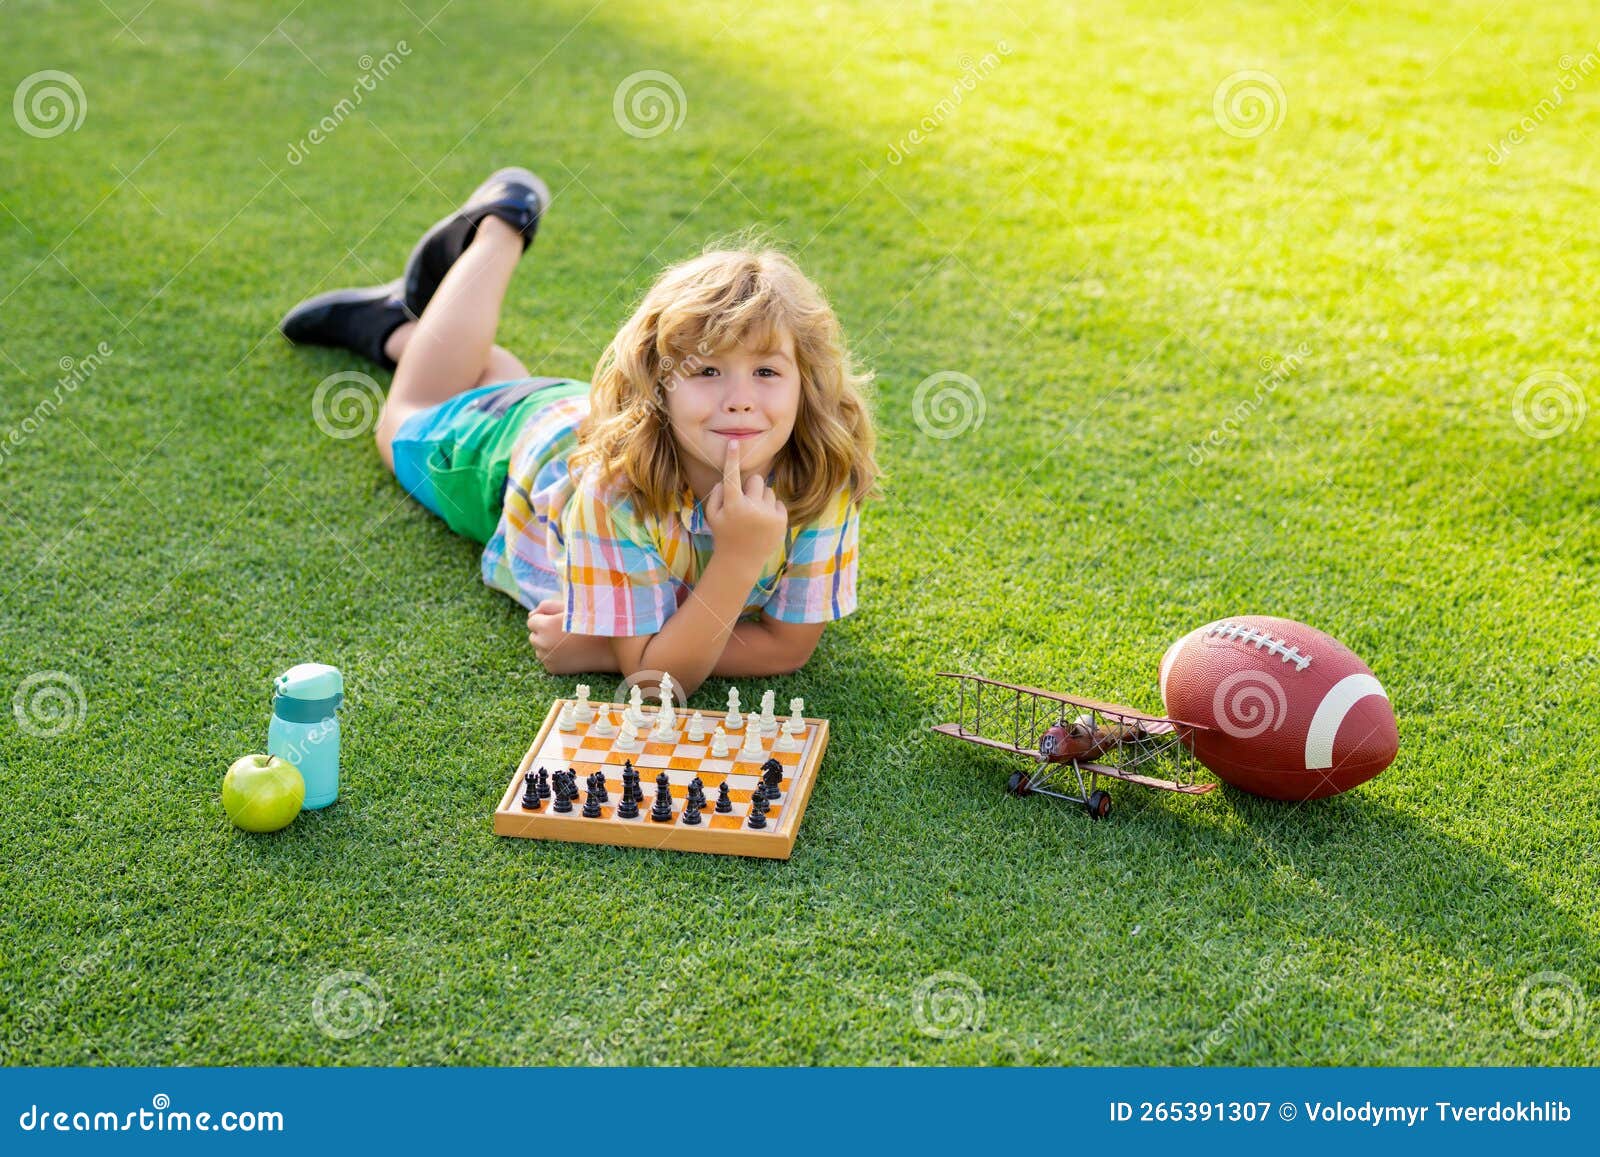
pixel 1018 783
pixel 1099 805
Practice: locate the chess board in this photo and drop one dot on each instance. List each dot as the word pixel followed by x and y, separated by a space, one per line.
pixel 722 833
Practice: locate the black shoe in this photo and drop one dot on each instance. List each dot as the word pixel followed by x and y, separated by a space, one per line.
pixel 516 196
pixel 353 319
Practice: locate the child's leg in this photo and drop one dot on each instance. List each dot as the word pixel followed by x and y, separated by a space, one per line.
pixel 504 366
pixel 449 351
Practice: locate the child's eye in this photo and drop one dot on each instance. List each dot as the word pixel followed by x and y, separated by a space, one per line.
pixel 708 371
pixel 767 370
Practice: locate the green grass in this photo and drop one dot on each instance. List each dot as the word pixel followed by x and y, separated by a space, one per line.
pixel 1081 238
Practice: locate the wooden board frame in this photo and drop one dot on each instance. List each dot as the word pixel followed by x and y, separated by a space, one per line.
pixel 776 842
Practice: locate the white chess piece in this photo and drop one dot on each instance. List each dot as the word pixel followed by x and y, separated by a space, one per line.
pixel 629 739
pixel 665 730
pixel 787 741
pixel 602 724
pixel 583 712
pixel 796 723
pixel 733 720
pixel 769 724
pixel 567 720
pixel 666 692
pixel 697 728
pixel 633 714
pixel 719 744
pixel 752 743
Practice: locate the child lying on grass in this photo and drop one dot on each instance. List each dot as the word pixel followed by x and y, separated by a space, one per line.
pixel 695 509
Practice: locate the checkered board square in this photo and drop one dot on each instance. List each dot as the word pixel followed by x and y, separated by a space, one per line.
pixel 726 833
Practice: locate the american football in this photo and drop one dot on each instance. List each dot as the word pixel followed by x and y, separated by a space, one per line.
pixel 1287 711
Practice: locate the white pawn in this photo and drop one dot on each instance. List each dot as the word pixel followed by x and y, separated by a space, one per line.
pixel 697 728
pixel 787 741
pixel 629 739
pixel 719 744
pixel 602 724
pixel 733 720
pixel 796 723
pixel 583 712
pixel 665 730
pixel 769 723
pixel 752 743
pixel 568 719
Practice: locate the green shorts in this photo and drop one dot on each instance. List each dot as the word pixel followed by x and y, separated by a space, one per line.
pixel 453 458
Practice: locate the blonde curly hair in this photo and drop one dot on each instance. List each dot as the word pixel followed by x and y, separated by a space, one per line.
pixel 746 294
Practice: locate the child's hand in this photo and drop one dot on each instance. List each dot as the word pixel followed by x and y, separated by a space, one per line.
pixel 561 653
pixel 746 522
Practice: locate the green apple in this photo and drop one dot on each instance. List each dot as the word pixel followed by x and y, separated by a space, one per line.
pixel 262 793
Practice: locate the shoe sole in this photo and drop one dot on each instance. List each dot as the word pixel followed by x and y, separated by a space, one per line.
pixel 440 227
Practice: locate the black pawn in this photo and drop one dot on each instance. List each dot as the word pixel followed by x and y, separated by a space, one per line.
pixel 662 811
pixel 530 791
pixel 628 806
pixel 772 776
pixel 697 792
pixel 591 806
pixel 724 800
pixel 758 810
pixel 600 787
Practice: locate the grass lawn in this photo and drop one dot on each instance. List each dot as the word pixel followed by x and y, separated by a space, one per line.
pixel 1221 371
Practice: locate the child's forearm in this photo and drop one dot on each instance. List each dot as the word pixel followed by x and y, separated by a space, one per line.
pixel 753 649
pixel 693 639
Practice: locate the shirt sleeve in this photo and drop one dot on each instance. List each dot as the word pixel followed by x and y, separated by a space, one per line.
pixel 616 583
pixel 818 584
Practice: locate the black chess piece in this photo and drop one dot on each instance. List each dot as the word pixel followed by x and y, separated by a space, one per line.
pixel 772 776
pixel 599 781
pixel 662 811
pixel 691 812
pixel 697 792
pixel 724 800
pixel 530 791
pixel 758 810
pixel 591 805
pixel 628 806
pixel 544 784
pixel 563 802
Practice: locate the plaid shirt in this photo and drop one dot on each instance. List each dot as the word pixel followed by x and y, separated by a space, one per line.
pixel 621 570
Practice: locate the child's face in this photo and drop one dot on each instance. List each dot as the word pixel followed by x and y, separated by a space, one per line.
pixel 743 394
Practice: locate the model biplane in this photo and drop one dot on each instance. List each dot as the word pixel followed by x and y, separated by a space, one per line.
pixel 1074 742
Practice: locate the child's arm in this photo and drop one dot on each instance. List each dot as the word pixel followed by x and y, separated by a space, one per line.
pixel 767 647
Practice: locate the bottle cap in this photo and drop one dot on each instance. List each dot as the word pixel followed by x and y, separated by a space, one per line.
pixel 309 681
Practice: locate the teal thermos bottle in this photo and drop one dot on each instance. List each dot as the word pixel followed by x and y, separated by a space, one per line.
pixel 305 727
